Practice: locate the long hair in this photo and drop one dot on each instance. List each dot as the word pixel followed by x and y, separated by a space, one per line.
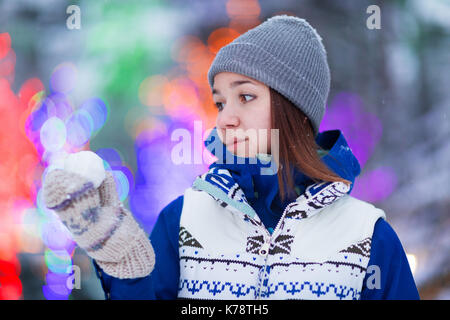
pixel 297 146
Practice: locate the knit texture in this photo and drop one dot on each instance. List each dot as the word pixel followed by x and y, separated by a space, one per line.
pixel 226 252
pixel 286 54
pixel 99 223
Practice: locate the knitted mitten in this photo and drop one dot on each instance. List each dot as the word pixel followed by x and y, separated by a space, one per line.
pixel 99 223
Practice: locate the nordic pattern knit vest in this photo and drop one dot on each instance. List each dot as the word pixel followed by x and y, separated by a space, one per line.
pixel 320 248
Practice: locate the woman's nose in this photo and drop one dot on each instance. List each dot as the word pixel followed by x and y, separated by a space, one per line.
pixel 227 118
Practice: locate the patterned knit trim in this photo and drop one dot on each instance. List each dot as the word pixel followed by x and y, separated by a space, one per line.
pixel 335 263
pixel 244 263
pixel 99 244
pixel 316 289
pixel 73 196
pixel 217 288
pixel 316 196
pixel 203 185
pixel 292 288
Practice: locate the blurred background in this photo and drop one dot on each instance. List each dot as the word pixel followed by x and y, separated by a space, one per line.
pixel 118 77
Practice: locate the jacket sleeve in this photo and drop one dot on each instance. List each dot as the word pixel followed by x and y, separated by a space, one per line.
pixel 388 276
pixel 162 283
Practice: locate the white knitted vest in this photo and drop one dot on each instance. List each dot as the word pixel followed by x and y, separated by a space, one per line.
pixel 320 248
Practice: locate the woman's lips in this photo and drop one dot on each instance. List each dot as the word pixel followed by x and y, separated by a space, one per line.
pixel 235 142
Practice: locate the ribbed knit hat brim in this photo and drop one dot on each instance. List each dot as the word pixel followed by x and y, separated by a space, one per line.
pixel 286 54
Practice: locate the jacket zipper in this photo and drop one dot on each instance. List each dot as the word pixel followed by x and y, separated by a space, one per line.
pixel 266 247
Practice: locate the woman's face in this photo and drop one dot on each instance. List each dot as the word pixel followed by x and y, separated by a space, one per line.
pixel 243 119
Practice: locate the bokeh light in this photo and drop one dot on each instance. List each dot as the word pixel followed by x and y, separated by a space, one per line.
pixel 110 155
pixel 122 94
pixel 18 168
pixel 79 128
pixel 53 134
pixel 97 111
pixel 122 184
pixel 58 105
pixel 363 131
pixel 56 236
pixel 11 288
pixel 5 44
pixel 151 90
pixel 56 128
pixel 58 261
pixel 412 262
pixel 221 37
pixel 63 78
pixel 361 128
pixel 56 287
pixel 375 185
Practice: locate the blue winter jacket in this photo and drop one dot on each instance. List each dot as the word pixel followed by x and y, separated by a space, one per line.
pixel 261 191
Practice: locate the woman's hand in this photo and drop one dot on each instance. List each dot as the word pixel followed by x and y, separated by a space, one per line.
pixel 99 223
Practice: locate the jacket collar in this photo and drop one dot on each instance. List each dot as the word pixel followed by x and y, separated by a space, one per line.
pixel 237 181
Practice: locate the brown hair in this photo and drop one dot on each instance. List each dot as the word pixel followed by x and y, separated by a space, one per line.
pixel 297 146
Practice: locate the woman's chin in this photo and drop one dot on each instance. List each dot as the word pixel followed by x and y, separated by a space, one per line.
pixel 238 152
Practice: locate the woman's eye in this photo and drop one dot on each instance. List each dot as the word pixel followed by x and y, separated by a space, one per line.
pixel 219 105
pixel 246 95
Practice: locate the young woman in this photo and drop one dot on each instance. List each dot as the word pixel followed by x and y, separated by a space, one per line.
pixel 272 218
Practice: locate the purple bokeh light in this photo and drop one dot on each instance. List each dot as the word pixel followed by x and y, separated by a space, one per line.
pixel 63 78
pixel 375 185
pixel 363 131
pixel 56 236
pixel 56 287
pixel 158 179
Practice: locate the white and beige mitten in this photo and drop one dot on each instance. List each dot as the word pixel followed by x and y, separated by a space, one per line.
pixel 92 211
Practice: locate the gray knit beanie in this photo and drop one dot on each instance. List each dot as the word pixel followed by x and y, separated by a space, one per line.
pixel 286 54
